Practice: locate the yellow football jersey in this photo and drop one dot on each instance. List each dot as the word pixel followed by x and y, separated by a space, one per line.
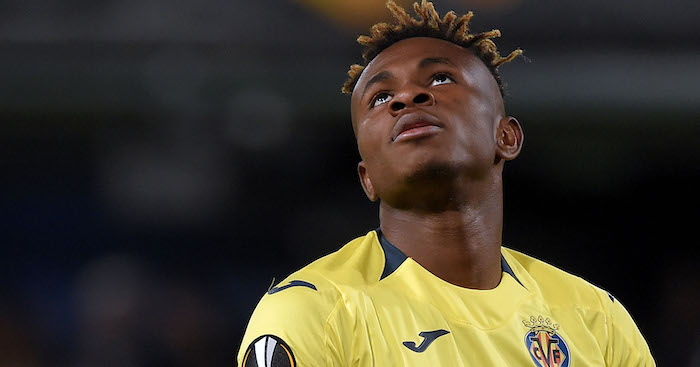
pixel 369 305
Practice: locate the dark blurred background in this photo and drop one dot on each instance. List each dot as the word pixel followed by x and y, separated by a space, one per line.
pixel 163 161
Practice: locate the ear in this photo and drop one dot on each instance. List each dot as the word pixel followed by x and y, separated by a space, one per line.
pixel 366 182
pixel 509 138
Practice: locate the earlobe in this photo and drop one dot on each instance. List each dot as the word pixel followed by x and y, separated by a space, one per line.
pixel 509 138
pixel 366 182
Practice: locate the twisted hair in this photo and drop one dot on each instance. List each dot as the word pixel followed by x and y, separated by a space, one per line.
pixel 450 28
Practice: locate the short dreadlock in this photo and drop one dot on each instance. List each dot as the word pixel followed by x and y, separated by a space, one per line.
pixel 450 28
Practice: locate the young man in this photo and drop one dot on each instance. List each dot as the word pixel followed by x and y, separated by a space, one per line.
pixel 433 286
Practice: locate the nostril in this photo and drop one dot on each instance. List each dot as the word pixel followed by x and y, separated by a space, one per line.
pixel 396 106
pixel 421 98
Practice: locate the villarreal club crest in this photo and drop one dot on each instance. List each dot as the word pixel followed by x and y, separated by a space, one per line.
pixel 547 348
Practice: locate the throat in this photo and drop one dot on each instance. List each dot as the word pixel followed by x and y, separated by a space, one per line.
pixel 461 247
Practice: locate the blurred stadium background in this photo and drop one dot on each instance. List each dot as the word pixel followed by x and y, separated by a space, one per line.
pixel 164 161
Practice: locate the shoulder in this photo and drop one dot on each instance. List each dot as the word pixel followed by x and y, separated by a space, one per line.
pixel 302 310
pixel 558 287
pixel 603 315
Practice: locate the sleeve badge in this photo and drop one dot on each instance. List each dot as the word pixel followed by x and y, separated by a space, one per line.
pixel 268 351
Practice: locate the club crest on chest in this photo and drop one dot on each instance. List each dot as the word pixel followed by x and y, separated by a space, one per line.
pixel 546 347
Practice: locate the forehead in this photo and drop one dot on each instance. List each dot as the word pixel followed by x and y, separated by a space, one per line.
pixel 409 52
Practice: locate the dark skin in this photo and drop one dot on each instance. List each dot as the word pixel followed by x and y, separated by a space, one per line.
pixel 433 135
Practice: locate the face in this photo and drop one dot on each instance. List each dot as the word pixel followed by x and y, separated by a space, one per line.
pixel 426 106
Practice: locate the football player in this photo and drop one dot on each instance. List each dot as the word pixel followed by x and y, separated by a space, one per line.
pixel 433 286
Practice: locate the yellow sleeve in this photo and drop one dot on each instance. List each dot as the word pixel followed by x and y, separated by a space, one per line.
pixel 290 327
pixel 626 345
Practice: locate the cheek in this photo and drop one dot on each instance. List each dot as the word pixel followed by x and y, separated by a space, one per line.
pixel 474 129
pixel 372 142
pixel 368 138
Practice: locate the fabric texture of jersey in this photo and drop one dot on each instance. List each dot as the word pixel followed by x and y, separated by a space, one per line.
pixel 369 305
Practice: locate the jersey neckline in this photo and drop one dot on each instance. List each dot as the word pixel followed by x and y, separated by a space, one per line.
pixel 485 309
pixel 394 257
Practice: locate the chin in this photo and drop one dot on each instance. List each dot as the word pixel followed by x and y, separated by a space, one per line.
pixel 432 171
pixel 429 187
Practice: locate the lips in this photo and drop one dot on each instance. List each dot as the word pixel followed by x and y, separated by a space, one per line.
pixel 415 125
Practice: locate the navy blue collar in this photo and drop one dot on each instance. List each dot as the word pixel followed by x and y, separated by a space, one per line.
pixel 394 258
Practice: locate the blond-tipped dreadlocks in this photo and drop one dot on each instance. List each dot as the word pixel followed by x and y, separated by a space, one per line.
pixel 450 28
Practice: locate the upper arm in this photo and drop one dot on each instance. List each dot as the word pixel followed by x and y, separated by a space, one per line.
pixel 626 345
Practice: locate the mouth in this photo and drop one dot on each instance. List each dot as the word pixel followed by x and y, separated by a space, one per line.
pixel 415 125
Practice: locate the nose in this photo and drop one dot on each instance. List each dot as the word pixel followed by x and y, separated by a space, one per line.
pixel 411 98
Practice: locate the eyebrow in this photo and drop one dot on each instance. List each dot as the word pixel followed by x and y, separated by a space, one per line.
pixel 381 76
pixel 433 60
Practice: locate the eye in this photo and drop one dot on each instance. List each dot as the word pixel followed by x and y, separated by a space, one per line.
pixel 441 78
pixel 381 98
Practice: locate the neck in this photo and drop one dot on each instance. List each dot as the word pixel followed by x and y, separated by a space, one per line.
pixel 459 245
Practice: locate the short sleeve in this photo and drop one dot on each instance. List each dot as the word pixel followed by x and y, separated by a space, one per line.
pixel 626 345
pixel 289 327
